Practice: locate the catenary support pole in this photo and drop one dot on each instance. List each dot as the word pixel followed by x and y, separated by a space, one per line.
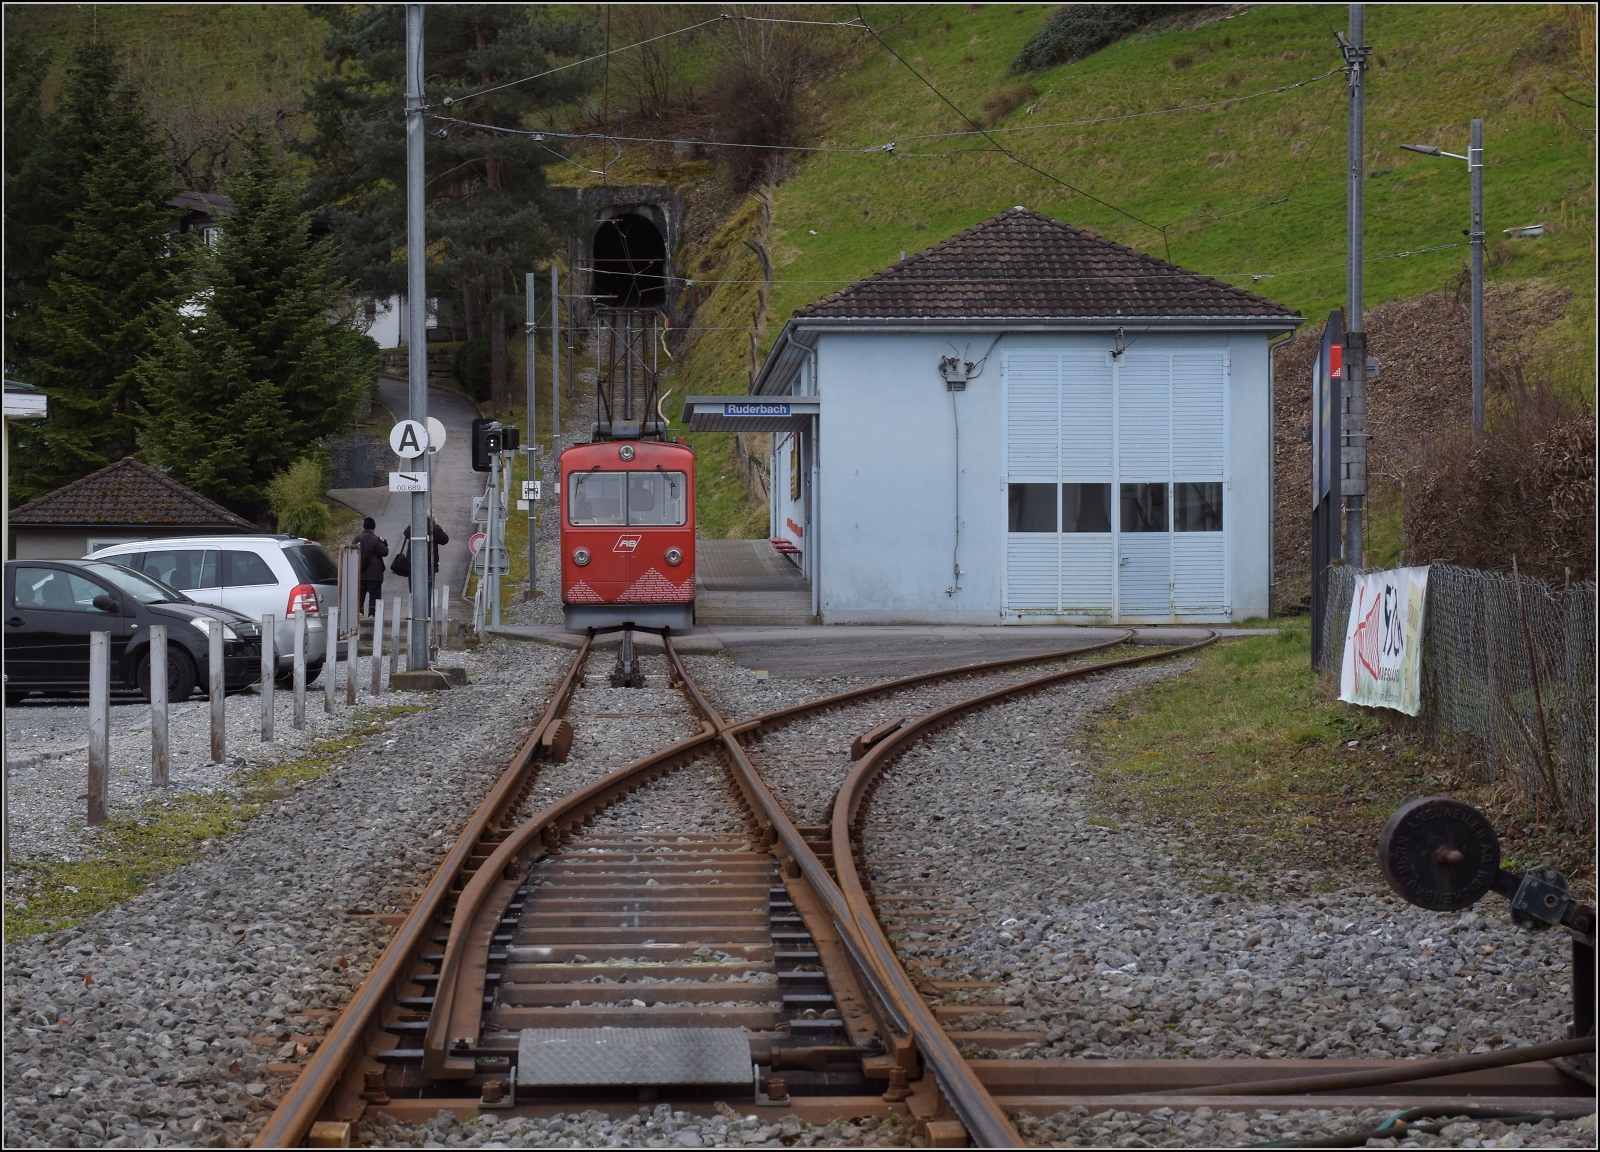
pixel 532 439
pixel 1354 449
pixel 330 661
pixel 555 366
pixel 300 667
pixel 269 674
pixel 377 645
pixel 99 725
pixel 394 640
pixel 160 751
pixel 416 322
pixel 217 689
pixel 1475 170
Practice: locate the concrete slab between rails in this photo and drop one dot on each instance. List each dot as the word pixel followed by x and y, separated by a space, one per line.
pixel 878 649
pixel 429 679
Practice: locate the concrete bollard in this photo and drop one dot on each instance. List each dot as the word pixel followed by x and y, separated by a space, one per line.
pixel 330 660
pixel 377 647
pixel 352 662
pixel 300 669
pixel 394 639
pixel 99 724
pixel 159 748
pixel 269 674
pixel 218 691
pixel 444 616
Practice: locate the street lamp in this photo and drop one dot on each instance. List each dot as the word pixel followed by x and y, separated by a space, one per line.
pixel 1474 159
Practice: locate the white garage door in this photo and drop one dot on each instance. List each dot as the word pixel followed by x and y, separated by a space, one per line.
pixel 1115 482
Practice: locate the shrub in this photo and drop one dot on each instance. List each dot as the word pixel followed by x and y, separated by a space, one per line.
pixel 296 499
pixel 471 368
pixel 1181 60
pixel 1526 489
pixel 1080 30
pixel 1002 101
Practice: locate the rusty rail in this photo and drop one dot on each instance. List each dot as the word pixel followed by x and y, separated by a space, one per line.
pixel 960 1084
pixel 338 1061
pixel 338 1057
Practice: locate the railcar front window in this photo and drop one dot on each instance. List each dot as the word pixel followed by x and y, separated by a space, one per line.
pixel 595 499
pixel 634 499
pixel 657 499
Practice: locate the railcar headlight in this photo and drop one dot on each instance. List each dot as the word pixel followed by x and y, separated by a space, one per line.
pixel 626 452
pixel 674 557
pixel 581 557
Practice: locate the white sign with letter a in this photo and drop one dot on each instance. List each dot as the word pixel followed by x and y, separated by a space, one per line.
pixel 409 439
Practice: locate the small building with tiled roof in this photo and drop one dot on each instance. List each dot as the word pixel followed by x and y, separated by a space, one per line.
pixel 121 503
pixel 1025 423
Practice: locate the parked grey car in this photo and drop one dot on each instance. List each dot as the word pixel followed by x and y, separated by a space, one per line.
pixel 254 575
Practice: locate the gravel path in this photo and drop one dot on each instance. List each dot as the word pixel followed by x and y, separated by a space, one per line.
pixel 155 1023
pixel 48 760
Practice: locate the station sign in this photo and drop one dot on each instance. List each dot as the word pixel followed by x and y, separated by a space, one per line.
pixel 747 408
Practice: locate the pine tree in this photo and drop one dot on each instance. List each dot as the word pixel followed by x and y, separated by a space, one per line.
pixel 48 159
pixel 491 212
pixel 272 364
pixel 120 274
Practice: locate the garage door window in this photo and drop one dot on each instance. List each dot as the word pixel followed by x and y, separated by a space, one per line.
pixel 1031 508
pixel 1144 507
pixel 1086 507
pixel 1197 507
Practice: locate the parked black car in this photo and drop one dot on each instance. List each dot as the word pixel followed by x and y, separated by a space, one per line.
pixel 53 605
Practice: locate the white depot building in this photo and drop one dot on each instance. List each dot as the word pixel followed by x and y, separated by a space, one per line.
pixel 1024 424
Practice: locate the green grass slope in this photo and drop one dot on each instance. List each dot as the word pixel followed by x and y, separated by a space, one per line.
pixel 1247 189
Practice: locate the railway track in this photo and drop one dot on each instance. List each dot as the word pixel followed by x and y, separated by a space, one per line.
pixel 677 901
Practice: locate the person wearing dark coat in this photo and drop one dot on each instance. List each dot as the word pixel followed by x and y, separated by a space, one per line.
pixel 373 549
pixel 438 537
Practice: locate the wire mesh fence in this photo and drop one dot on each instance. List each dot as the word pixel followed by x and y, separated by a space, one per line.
pixel 1508 678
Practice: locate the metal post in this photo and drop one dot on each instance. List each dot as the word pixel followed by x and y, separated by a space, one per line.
pixel 572 303
pixel 555 363
pixel 300 669
pixel 377 645
pixel 492 542
pixel 352 662
pixel 330 661
pixel 269 674
pixel 1475 169
pixel 532 439
pixel 417 319
pixel 99 724
pixel 159 758
pixel 1354 453
pixel 217 691
pixel 394 640
pixel 444 616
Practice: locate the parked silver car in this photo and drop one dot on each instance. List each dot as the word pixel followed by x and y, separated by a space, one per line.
pixel 254 575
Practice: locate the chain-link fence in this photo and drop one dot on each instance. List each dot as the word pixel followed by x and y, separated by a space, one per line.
pixel 1508 677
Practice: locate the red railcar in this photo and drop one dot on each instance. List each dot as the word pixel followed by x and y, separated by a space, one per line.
pixel 627 534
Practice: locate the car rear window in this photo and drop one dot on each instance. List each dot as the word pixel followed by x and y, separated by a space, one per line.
pixel 311 564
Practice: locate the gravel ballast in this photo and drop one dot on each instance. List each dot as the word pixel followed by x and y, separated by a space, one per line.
pixel 154 1023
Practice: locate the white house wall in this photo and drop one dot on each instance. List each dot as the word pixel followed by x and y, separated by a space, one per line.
pixel 887 530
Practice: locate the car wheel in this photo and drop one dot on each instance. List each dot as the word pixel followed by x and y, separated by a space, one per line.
pixel 286 679
pixel 180 675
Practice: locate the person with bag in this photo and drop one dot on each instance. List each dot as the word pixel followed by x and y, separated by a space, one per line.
pixel 373 548
pixel 437 536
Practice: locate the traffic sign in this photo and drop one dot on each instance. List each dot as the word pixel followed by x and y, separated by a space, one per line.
pixel 480 510
pixel 436 436
pixel 408 481
pixel 476 542
pixel 497 559
pixel 409 439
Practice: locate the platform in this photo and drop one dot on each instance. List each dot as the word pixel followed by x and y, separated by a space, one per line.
pixel 748 582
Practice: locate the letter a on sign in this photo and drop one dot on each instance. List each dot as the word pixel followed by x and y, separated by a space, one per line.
pixel 409 439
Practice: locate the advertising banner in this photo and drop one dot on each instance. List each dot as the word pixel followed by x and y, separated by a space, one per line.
pixel 1383 642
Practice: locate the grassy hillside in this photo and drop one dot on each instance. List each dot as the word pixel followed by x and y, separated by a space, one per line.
pixel 1254 188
